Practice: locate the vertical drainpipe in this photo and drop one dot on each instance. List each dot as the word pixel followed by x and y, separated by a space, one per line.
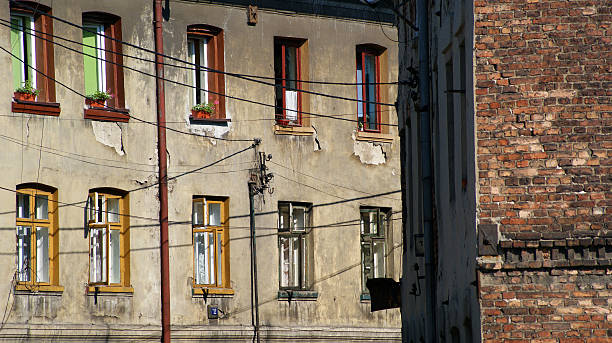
pixel 426 170
pixel 163 172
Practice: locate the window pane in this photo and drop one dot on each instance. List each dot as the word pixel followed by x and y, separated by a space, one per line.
pixel 214 214
pixel 30 56
pixel 92 209
pixel 366 265
pixel 192 74
pixel 210 252
pixel 382 223
pixel 366 222
pixel 291 105
pixel 42 254
pixel 100 208
pixel 219 258
pixel 291 67
pixel 360 88
pixel 370 87
pixel 203 251
pixel 373 219
pixel 17 50
pixel 113 210
pixel 42 206
pixel 23 205
pixel 284 261
pixel 97 255
pixel 299 218
pixel 114 261
pixel 295 262
pixel 304 260
pixel 91 72
pixel 379 258
pixel 203 62
pixel 23 253
pixel 284 218
pixel 198 213
pixel 278 75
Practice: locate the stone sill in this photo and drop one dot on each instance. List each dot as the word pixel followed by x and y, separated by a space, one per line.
pixel 283 295
pixel 118 115
pixel 364 298
pixel 35 107
pixel 212 291
pixel 293 130
pixel 374 137
pixel 34 288
pixel 209 121
pixel 91 290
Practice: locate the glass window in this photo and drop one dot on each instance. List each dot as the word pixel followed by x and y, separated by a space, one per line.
pixel 287 76
pixel 294 247
pixel 210 249
pixel 368 90
pixel 374 226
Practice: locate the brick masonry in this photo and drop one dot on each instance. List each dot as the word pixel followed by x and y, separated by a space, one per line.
pixel 543 90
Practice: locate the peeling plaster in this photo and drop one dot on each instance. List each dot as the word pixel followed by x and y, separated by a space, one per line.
pixel 216 131
pixel 368 152
pixel 109 134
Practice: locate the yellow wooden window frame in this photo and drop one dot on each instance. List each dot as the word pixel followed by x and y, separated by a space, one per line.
pixel 124 242
pixel 219 286
pixel 53 231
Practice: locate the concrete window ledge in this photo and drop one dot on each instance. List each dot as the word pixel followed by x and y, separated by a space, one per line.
pixel 293 130
pixel 297 295
pixel 91 290
pixel 364 297
pixel 33 289
pixel 374 137
pixel 198 292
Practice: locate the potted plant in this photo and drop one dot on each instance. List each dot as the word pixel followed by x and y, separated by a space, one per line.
pixel 202 111
pixel 26 92
pixel 97 99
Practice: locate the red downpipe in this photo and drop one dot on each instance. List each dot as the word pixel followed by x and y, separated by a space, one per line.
pixel 163 173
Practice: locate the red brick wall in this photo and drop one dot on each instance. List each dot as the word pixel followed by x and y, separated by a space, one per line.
pixel 544 115
pixel 543 84
pixel 565 306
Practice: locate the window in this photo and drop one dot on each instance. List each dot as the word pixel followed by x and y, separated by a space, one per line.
pixel 205 50
pixel 289 63
pixel 109 243
pixel 32 44
pixel 294 246
pixel 374 225
pixel 210 243
pixel 102 62
pixel 368 66
pixel 37 236
pixel 450 122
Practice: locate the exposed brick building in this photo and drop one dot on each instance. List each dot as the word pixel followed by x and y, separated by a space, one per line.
pixel 520 110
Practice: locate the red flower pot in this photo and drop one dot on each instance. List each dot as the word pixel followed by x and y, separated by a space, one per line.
pixel 95 103
pixel 201 114
pixel 24 96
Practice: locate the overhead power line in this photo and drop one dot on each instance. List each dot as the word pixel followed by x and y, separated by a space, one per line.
pixel 115 109
pixel 242 75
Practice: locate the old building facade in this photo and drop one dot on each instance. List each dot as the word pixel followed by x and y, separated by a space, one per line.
pixel 507 164
pixel 80 211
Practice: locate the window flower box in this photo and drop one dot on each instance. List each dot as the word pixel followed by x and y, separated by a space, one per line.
pixel 91 103
pixel 24 96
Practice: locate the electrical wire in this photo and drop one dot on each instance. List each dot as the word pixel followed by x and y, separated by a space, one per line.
pixel 255 102
pixel 187 62
pixel 115 109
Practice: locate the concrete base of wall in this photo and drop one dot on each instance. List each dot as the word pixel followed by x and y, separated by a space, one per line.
pixel 148 333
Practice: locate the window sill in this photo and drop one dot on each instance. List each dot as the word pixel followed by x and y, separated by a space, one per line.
pixel 35 107
pixel 210 121
pixel 120 115
pixel 33 288
pixel 293 130
pixel 364 297
pixel 374 137
pixel 212 291
pixel 288 295
pixel 109 289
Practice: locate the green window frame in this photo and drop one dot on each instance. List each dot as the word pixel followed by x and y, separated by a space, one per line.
pixel 94 64
pixel 22 46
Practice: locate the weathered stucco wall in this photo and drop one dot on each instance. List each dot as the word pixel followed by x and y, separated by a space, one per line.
pixel 78 155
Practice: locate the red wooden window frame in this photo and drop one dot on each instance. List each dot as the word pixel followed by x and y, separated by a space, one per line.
pixel 283 43
pixel 362 53
pixel 215 51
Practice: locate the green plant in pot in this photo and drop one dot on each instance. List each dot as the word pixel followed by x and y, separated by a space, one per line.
pixel 26 92
pixel 203 111
pixel 97 99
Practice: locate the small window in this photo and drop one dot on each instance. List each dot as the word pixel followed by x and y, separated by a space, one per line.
pixel 210 243
pixel 288 74
pixel 32 45
pixel 205 51
pixel 37 237
pixel 374 230
pixel 368 74
pixel 102 63
pixel 108 239
pixel 295 246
